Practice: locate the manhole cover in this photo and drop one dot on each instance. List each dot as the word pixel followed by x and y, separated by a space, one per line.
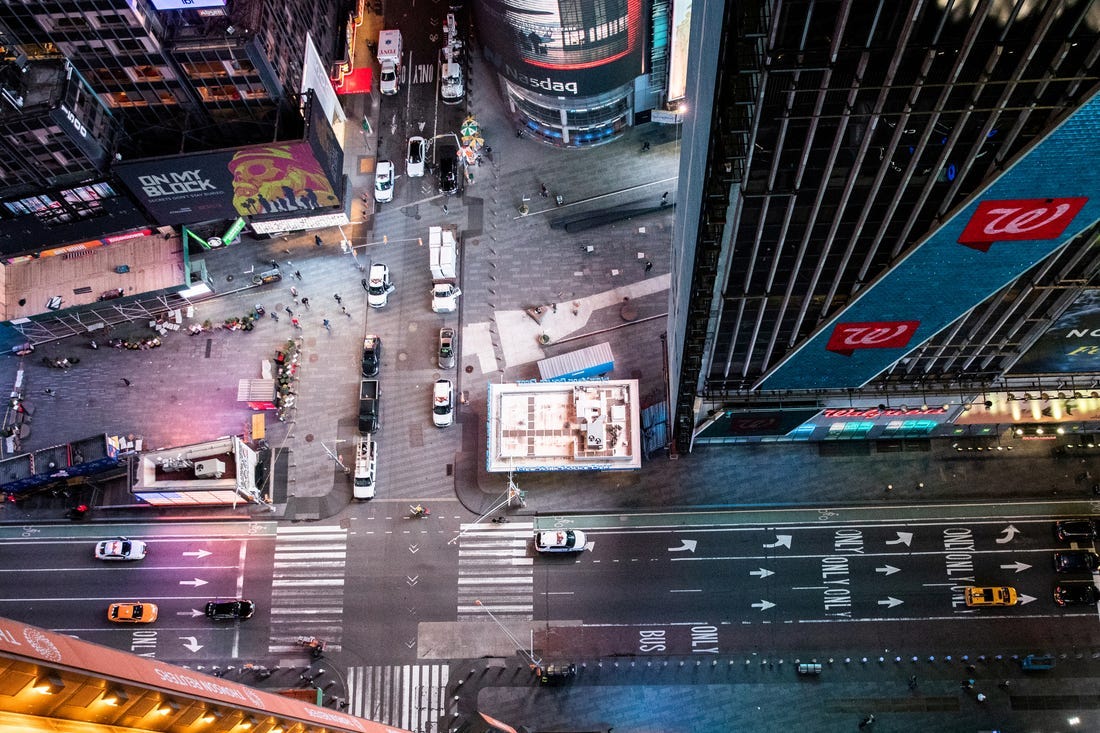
pixel 313 358
pixel 402 356
pixel 309 438
pixel 469 369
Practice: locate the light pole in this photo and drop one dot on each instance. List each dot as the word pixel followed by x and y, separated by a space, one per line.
pixel 529 654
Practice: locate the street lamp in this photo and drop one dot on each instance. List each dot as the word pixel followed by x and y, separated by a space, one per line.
pixel 529 654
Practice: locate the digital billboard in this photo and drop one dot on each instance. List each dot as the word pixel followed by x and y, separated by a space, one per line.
pixel 565 48
pixel 1071 344
pixel 256 180
pixel 1043 200
pixel 187 4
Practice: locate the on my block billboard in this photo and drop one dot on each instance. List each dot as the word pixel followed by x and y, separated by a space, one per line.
pixel 1045 199
pixel 1071 344
pixel 258 179
pixel 564 48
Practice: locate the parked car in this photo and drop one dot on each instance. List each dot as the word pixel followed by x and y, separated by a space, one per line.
pixel 379 286
pixel 414 156
pixel 1076 593
pixel 230 610
pixel 443 403
pixel 561 540
pixel 383 182
pixel 448 170
pixel 990 596
pixel 120 548
pixel 1075 529
pixel 1076 561
pixel 132 613
pixel 372 355
pixel 446 348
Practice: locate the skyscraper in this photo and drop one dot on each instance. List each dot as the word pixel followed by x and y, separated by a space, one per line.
pixel 862 189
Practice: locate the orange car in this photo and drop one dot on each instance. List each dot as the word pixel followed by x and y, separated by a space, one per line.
pixel 132 613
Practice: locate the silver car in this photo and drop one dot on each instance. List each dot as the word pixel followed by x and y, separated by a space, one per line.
pixel 414 157
pixel 120 548
pixel 446 348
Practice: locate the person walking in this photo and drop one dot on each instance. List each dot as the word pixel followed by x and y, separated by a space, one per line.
pixel 363 282
pixel 49 392
pixel 338 298
pixel 305 302
pixel 327 325
pixel 289 312
pixel 345 311
pixel 274 316
pixel 294 322
pixel 294 291
pixel 125 381
pixel 298 274
pixel 317 240
pixel 544 191
pixel 648 266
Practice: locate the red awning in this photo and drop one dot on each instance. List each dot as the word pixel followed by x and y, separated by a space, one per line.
pixel 357 82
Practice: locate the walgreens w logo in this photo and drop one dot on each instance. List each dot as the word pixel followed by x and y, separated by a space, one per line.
pixel 1001 221
pixel 848 337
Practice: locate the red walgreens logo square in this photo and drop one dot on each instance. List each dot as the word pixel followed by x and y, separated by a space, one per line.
pixel 1002 221
pixel 848 337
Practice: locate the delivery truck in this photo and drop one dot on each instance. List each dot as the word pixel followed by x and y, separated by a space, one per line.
pixel 443 261
pixel 369 417
pixel 366 462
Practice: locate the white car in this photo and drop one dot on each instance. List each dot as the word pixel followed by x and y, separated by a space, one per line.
pixel 560 540
pixel 383 182
pixel 445 297
pixel 443 403
pixel 414 158
pixel 379 286
pixel 120 548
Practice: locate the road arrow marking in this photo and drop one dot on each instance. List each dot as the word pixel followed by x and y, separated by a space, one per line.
pixel 887 570
pixel 200 554
pixel 414 549
pixel 193 613
pixel 688 545
pixel 196 582
pixel 761 573
pixel 763 605
pixel 890 602
pixel 1017 566
pixel 412 579
pixel 192 643
pixel 1022 599
pixel 410 644
pixel 781 540
pixel 904 538
pixel 1007 534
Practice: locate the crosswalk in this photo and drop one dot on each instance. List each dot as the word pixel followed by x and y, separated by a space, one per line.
pixel 410 696
pixel 494 568
pixel 307 586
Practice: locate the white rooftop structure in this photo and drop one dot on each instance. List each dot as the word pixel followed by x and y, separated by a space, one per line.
pixel 564 426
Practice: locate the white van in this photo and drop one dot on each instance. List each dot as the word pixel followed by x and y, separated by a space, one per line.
pixel 451 88
pixel 366 460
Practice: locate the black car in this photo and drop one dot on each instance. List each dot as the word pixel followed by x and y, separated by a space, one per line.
pixel 1076 561
pixel 1075 529
pixel 230 610
pixel 448 170
pixel 1076 593
pixel 372 355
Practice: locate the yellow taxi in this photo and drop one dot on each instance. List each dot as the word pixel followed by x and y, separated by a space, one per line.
pixel 132 613
pixel 991 596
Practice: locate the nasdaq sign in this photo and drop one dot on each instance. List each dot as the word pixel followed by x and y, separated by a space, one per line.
pixel 1041 202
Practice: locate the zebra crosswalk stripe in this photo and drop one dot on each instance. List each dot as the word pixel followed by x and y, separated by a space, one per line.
pixel 495 571
pixel 307 586
pixel 410 696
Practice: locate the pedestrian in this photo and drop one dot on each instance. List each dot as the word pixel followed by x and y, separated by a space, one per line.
pixel 274 316
pixel 544 191
pixel 338 298
pixel 968 684
pixel 445 209
pixel 317 240
pixel 981 697
pixel 645 145
pixel 48 391
pixel 648 266
pixel 363 282
pixel 294 322
pixel 126 381
pixel 274 265
pixel 866 721
pixel 327 325
pixel 298 274
pixel 305 302
pixel 289 312
pixel 345 310
pixel 1004 685
pixel 664 197
pixel 913 682
pixel 294 291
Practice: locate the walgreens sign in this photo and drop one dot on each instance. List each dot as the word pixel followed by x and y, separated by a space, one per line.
pixel 1002 221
